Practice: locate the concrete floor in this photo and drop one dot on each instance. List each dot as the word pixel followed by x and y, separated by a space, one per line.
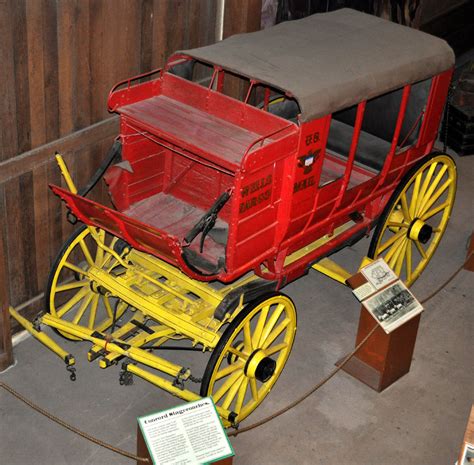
pixel 419 420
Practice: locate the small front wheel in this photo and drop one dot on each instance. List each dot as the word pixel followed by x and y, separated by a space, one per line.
pixel 251 354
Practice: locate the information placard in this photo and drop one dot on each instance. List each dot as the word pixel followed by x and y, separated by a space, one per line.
pixel 384 295
pixel 189 434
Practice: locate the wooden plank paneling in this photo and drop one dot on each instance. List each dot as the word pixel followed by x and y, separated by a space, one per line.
pixel 50 69
pixel 66 35
pixel 242 16
pixel 8 131
pixel 83 78
pixel 59 60
pixel 21 88
pixel 35 42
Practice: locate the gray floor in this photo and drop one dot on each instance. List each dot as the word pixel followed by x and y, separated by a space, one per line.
pixel 419 420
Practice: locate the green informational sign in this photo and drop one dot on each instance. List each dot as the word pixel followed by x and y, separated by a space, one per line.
pixel 189 434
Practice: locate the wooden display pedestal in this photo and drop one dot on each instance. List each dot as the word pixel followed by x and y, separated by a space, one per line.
pixel 142 451
pixel 384 358
pixel 468 437
pixel 469 265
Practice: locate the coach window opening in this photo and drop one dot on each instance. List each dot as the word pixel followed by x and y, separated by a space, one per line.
pixel 358 154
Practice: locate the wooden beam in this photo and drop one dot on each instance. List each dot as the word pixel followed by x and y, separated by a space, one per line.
pixel 28 161
pixel 6 353
pixel 240 16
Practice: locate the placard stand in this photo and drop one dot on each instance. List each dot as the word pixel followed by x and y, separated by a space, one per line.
pixel 384 358
pixel 468 437
pixel 469 265
pixel 142 451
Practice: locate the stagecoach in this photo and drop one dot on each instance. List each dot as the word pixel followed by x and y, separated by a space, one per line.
pixel 239 167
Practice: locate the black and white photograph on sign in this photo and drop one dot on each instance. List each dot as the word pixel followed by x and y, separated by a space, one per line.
pixel 392 306
pixel 468 456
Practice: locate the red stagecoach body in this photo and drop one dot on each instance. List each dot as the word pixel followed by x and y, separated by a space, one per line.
pixel 291 184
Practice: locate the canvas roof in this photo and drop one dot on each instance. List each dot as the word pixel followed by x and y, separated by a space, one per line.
pixel 333 60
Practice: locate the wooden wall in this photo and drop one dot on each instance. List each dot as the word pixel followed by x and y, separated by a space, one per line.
pixel 59 59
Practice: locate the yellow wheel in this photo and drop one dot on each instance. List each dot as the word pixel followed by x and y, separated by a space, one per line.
pixel 416 217
pixel 251 354
pixel 71 295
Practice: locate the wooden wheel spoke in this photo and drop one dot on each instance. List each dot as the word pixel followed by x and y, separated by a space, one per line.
pixel 85 303
pixel 421 250
pixel 435 196
pixel 425 185
pixel 247 337
pixel 72 285
pixel 404 205
pixel 241 395
pixel 108 307
pixel 430 213
pixel 275 333
pixel 272 321
pixel 432 188
pixel 391 241
pixel 273 350
pixel 260 325
pixel 76 269
pixel 229 369
pixel 238 353
pixel 415 194
pixel 393 254
pixel 233 392
pixel 408 263
pixel 401 257
pixel 226 386
pixel 71 302
pixel 87 254
pixel 393 250
pixel 253 388
pixel 395 224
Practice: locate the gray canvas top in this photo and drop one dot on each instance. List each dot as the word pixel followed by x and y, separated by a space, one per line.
pixel 330 61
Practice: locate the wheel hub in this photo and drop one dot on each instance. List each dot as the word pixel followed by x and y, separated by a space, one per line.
pixel 420 231
pixel 260 366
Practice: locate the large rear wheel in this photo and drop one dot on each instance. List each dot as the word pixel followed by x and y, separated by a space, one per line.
pixel 416 217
